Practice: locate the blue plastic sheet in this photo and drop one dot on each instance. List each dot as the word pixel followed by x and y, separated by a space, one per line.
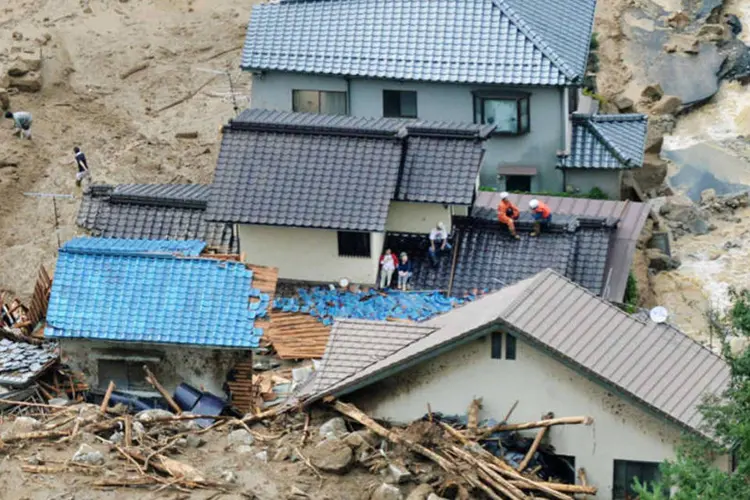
pixel 326 304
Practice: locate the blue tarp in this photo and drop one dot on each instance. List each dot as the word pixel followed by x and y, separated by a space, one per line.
pixel 326 304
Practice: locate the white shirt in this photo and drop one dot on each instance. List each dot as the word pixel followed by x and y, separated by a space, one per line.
pixel 438 234
pixel 388 263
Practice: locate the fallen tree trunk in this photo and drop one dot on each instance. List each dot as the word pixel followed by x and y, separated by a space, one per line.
pixel 535 425
pixel 560 487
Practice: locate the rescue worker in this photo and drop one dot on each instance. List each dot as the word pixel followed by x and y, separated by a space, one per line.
pixel 542 215
pixel 21 123
pixel 507 213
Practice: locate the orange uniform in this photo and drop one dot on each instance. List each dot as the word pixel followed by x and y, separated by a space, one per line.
pixel 504 208
pixel 542 212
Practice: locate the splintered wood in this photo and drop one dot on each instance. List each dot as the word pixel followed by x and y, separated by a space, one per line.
pixel 298 336
pixel 240 384
pixel 264 279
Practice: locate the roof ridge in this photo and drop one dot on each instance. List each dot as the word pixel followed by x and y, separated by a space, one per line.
pixel 536 39
pixel 607 143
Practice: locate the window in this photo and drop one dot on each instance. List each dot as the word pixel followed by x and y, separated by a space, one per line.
pixel 508 112
pixel 399 104
pixel 625 473
pixel 497 339
pixel 127 375
pixel 319 101
pixel 520 183
pixel 353 244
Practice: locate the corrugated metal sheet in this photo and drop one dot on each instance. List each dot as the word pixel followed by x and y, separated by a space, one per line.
pixel 632 217
pixel 655 364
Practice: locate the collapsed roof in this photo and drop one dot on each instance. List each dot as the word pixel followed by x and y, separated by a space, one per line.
pixel 339 172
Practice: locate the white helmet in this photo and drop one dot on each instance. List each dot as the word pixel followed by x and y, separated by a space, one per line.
pixel 504 195
pixel 441 226
pixel 534 203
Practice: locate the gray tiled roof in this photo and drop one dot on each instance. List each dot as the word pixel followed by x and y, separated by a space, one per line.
pixel 153 211
pixel 655 364
pixel 607 141
pixel 529 42
pixel 339 172
pixel 21 363
pixel 489 258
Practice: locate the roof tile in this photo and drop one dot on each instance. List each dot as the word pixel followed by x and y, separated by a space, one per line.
pixel 607 141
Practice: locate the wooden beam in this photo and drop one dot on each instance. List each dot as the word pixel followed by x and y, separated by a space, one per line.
pixel 107 396
pixel 151 379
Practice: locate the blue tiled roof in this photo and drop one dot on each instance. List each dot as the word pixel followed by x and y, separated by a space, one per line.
pixel 607 141
pixel 524 42
pixel 148 298
pixel 121 246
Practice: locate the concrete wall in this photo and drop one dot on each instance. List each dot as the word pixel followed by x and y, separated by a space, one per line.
pixel 409 217
pixel 307 254
pixel 540 384
pixel 445 102
pixel 586 179
pixel 171 364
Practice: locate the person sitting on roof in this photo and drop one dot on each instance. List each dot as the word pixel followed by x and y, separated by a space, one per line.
pixel 404 272
pixel 438 242
pixel 542 215
pixel 507 213
pixel 388 263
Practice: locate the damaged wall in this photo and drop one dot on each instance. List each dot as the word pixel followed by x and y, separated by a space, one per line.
pixel 583 180
pixel 540 384
pixel 172 364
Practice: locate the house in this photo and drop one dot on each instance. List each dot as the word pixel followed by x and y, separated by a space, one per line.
pixel 552 346
pixel 117 305
pixel 631 217
pixel 153 212
pixel 314 195
pixel 516 64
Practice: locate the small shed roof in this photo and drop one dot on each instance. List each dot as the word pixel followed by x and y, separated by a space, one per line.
pixel 607 142
pixel 654 364
pixel 132 291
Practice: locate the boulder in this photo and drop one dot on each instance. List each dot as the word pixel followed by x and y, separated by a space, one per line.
pixel 678 20
pixel 421 492
pixel 652 174
pixel 229 476
pixel 153 415
pixel 88 455
pixel 240 437
pixel 713 32
pixel 30 82
pixel 356 441
pixel 262 456
pixel 332 455
pixel 683 43
pixel 244 449
pixel 659 261
pixel 334 428
pixel 194 441
pixel 658 127
pixel 4 78
pixel 708 196
pixel 386 492
pixel 17 68
pixel 699 226
pixel 623 103
pixel 652 93
pixel 734 23
pixel 116 437
pixel 728 245
pixel 667 105
pixel 399 474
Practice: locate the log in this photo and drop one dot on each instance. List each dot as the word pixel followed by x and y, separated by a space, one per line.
pixel 33 405
pixel 151 379
pixel 535 425
pixel 582 477
pixel 506 488
pixel 107 396
pixel 44 469
pixel 473 416
pixel 27 436
pixel 133 70
pixel 128 431
pixel 558 487
pixel 532 449
pixel 185 97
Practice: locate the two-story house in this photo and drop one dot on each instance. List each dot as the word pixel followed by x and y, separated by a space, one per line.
pixel 515 64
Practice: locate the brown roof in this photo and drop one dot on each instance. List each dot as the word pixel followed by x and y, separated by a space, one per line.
pixel 632 216
pixel 297 335
pixel 655 364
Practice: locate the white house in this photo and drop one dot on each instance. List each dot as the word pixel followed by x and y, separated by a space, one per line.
pixel 314 195
pixel 551 345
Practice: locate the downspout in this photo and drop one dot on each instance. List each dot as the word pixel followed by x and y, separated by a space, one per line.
pixel 567 130
pixel 349 96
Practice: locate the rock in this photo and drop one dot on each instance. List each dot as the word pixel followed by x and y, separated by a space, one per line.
pixel 32 60
pixel 17 68
pixel 262 456
pixel 732 244
pixel 734 23
pixel 658 127
pixel 399 474
pixel 433 496
pixel 713 32
pixel 282 453
pixel 18 36
pixel 334 428
pixel 88 455
pixel 386 492
pixel 332 455
pixel 652 93
pixel 678 20
pixel 244 449
pixel 240 437
pixel 30 82
pixel 736 65
pixel 421 492
pixel 35 460
pixel 623 103
pixel 192 134
pixel 669 71
pixel 21 425
pixel 652 174
pixel 138 429
pixel 152 415
pixel 356 441
pixel 667 105
pixel 229 476
pixel 57 401
pixel 708 196
pixel 117 437
pixel 660 261
pixel 194 441
pixel 683 43
pixel 699 226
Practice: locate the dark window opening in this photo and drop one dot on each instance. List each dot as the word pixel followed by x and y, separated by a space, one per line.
pixel 573 100
pixel 520 183
pixel 319 101
pixel 399 104
pixel 353 244
pixel 127 375
pixel 509 113
pixel 510 346
pixel 497 345
pixel 626 472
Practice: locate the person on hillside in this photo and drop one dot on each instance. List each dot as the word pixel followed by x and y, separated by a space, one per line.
pixel 404 272
pixel 438 242
pixel 21 123
pixel 83 165
pixel 388 263
pixel 507 213
pixel 542 215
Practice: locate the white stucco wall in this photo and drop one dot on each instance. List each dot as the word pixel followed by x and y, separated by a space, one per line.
pixel 443 102
pixel 410 217
pixel 540 384
pixel 586 179
pixel 307 254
